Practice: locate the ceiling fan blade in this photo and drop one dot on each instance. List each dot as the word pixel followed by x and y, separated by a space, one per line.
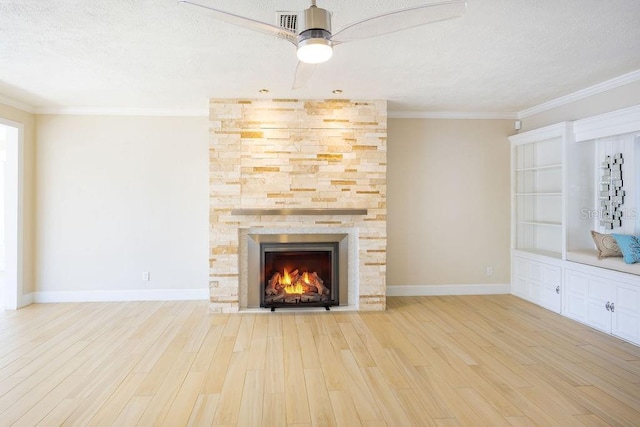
pixel 304 71
pixel 245 22
pixel 400 20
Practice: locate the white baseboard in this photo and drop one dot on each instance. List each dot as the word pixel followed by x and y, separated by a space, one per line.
pixel 433 290
pixel 121 295
pixel 203 294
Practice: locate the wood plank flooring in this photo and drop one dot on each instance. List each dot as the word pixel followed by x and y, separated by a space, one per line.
pixel 426 361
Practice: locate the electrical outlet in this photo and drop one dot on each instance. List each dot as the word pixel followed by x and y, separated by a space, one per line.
pixel 145 276
pixel 489 270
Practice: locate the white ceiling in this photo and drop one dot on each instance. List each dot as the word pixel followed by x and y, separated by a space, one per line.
pixel 501 56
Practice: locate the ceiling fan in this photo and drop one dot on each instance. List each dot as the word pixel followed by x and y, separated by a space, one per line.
pixel 310 30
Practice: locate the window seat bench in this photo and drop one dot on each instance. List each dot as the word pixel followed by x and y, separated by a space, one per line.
pixel 590 257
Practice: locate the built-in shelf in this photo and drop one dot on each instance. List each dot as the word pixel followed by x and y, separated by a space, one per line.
pixel 538 190
pixel 538 194
pixel 540 252
pixel 299 211
pixel 539 168
pixel 545 223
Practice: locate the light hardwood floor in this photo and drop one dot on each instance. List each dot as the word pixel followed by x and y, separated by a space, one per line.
pixel 444 361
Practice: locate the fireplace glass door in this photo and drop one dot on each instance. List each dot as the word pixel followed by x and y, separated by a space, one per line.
pixel 299 275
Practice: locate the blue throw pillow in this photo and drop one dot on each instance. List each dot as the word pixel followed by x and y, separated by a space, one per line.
pixel 630 247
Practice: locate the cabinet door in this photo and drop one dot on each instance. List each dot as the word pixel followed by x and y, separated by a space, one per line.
pixel 600 293
pixel 537 282
pixel 575 296
pixel 544 285
pixel 626 313
pixel 550 286
pixel 586 299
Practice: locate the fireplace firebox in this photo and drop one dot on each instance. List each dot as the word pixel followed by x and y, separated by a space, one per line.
pixel 299 275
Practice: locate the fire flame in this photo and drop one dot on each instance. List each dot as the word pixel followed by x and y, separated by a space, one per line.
pixel 290 288
pixel 286 279
pixel 294 289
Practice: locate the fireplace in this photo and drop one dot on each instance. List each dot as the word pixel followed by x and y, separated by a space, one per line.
pixel 299 275
pixel 306 250
pixel 286 169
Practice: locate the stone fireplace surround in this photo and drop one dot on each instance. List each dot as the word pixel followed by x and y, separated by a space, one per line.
pixel 297 168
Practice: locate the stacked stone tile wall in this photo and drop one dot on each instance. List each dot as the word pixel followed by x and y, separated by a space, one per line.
pixel 268 154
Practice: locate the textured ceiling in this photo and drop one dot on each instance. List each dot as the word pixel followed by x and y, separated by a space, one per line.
pixel 501 56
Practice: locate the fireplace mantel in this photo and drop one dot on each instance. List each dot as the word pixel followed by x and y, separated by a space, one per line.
pixel 299 211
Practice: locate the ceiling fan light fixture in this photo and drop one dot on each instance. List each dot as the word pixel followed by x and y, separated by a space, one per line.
pixel 315 50
pixel 314 41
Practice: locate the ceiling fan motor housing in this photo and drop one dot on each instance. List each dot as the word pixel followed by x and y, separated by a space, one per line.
pixel 316 18
pixel 315 26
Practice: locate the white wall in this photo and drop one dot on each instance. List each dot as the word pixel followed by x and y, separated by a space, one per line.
pixel 121 195
pixel 117 196
pixel 448 202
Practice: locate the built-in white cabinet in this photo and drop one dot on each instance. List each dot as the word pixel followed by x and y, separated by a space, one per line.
pixel 538 186
pixel 537 279
pixel 558 184
pixel 611 304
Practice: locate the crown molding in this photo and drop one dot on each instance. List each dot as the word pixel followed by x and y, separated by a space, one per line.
pixel 616 82
pixel 14 103
pixel 617 122
pixel 87 111
pixel 450 115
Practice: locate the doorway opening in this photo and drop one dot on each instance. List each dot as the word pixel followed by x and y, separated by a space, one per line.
pixel 11 135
